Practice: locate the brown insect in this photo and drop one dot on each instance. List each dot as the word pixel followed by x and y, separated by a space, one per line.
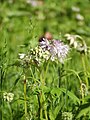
pixel 47 35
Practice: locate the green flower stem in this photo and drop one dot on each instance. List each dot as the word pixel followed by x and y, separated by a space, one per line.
pixel 1 94
pixel 46 70
pixel 9 107
pixel 66 97
pixel 41 116
pixel 43 106
pixel 39 105
pixel 82 94
pixel 84 68
pixel 60 71
pixel 42 100
pixel 59 76
pixel 25 103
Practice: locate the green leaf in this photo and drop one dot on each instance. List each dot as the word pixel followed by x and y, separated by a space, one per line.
pixel 51 115
pixel 17 13
pixel 57 109
pixel 71 95
pixel 58 91
pixel 46 89
pixel 83 112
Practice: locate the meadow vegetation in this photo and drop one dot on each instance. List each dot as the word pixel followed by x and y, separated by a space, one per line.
pixel 43 79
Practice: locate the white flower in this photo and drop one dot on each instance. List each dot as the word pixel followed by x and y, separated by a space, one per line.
pixel 82 48
pixel 53 50
pixel 67 116
pixel 75 44
pixel 72 39
pixel 75 9
pixel 35 3
pixel 79 17
pixel 32 2
pixel 21 56
pixel 8 96
pixel 44 44
pixel 79 44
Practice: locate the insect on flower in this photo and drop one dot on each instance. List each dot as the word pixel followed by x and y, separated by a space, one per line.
pixel 47 36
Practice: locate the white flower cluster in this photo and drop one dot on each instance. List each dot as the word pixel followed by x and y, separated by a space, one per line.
pixel 53 50
pixel 32 2
pixel 79 45
pixel 35 56
pixel 39 55
pixel 67 116
pixel 8 96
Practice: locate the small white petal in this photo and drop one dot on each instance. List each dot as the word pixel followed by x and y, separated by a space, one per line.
pixel 75 9
pixel 75 44
pixel 22 55
pixel 72 41
pixel 79 17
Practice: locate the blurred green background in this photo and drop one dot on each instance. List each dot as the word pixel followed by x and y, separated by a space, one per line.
pixel 24 21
